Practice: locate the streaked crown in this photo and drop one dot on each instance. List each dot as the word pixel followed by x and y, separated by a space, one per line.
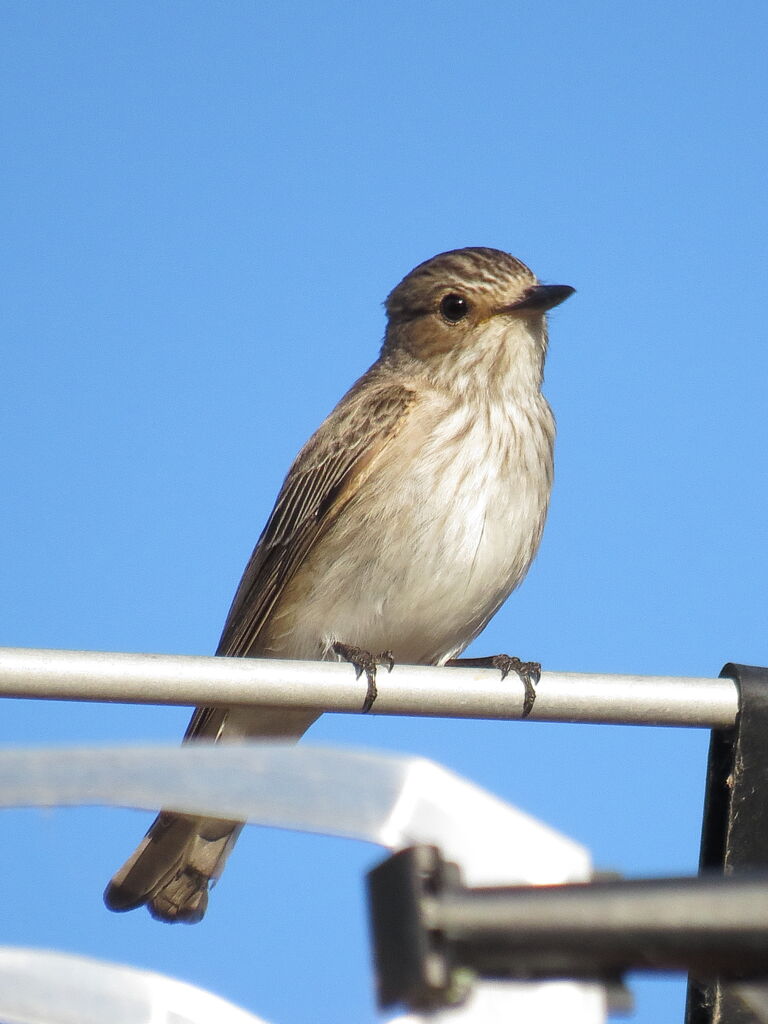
pixel 479 273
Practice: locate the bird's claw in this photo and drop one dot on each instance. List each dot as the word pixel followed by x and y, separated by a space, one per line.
pixel 364 661
pixel 528 672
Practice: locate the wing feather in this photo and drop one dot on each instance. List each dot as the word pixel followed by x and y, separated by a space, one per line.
pixel 325 474
pixel 315 491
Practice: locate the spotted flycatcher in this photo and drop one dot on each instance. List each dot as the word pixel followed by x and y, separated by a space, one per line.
pixel 402 526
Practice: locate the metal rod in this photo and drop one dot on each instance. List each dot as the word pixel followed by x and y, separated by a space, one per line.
pixel 708 926
pixel 725 917
pixel 330 686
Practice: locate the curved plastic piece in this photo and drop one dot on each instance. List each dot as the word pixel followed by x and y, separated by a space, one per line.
pixel 41 987
pixel 548 1002
pixel 390 800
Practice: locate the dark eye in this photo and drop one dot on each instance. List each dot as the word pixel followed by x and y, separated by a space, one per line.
pixel 454 307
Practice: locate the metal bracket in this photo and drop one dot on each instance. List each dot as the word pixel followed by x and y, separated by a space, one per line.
pixel 734 834
pixel 433 936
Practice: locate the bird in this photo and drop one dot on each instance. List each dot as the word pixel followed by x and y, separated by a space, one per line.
pixel 403 524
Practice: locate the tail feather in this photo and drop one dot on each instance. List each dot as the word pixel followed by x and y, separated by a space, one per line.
pixel 173 867
pixel 182 854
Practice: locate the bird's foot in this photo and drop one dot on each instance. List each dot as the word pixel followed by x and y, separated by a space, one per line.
pixel 529 672
pixel 364 661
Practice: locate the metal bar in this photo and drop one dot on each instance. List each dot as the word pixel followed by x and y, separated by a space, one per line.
pixel 330 686
pixel 717 924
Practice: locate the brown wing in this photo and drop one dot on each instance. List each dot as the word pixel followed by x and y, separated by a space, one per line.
pixel 323 477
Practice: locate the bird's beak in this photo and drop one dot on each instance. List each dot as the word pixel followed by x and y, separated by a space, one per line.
pixel 539 298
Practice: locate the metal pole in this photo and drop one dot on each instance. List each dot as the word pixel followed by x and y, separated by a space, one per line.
pixel 330 686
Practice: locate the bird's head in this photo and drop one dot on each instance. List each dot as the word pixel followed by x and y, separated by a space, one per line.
pixel 471 313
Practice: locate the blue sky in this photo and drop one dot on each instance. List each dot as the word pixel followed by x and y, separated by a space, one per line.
pixel 203 206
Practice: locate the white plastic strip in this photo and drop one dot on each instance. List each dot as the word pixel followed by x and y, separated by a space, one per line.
pixel 550 1002
pixel 390 800
pixel 43 987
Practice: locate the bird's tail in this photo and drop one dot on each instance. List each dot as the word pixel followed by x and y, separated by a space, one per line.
pixel 176 861
pixel 173 866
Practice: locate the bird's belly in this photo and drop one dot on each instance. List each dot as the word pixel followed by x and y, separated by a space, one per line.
pixel 416 569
